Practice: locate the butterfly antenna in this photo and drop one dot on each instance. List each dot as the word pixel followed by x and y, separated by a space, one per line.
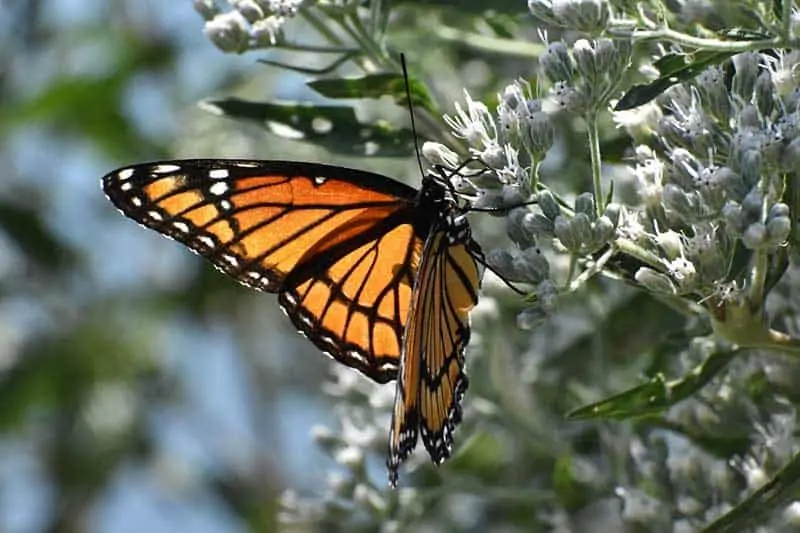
pixel 411 113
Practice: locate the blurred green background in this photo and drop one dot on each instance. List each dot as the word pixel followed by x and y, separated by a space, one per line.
pixel 140 390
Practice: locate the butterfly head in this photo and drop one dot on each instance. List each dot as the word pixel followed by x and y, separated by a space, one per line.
pixel 438 188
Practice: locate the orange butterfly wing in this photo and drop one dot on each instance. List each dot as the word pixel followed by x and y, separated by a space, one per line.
pixel 340 246
pixel 431 380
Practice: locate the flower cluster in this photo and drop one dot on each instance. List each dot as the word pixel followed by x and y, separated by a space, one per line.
pixel 586 77
pixel 717 179
pixel 510 144
pixel 363 410
pixel 248 25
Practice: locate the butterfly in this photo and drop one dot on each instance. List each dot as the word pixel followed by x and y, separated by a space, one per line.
pixel 377 274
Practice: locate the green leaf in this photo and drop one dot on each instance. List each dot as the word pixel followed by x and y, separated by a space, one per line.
pixel 503 24
pixel 721 445
pixel 778 492
pixel 334 127
pixel 376 86
pixel 792 197
pixel 777 9
pixel 481 454
pixel 57 371
pixel 649 398
pixel 656 395
pixel 673 69
pixel 462 7
pixel 745 34
pixel 92 106
pixel 346 56
pixel 25 227
pixel 572 493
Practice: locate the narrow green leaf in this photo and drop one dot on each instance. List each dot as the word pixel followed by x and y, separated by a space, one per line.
pixel 346 56
pixel 503 24
pixel 468 9
pixel 376 86
pixel 24 226
pixel 792 197
pixel 746 34
pixel 777 9
pixel 778 492
pixel 657 394
pixel 673 69
pixel 720 445
pixel 334 127
pixel 648 398
pixel 610 194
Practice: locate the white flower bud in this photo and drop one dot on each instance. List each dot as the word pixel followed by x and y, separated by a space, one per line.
pixel 747 70
pixel 778 229
pixel 548 204
pixel 439 155
pixel 654 281
pixel 584 203
pixel 228 31
pixel 755 235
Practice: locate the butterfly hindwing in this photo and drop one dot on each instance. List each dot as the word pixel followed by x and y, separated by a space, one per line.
pixel 359 303
pixel 337 244
pixel 432 381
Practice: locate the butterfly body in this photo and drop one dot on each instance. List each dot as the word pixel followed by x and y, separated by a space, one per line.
pixel 377 274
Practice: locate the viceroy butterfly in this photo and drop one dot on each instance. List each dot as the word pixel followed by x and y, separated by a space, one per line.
pixel 377 274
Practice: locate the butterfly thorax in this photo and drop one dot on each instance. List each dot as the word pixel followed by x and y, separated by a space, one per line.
pixel 437 207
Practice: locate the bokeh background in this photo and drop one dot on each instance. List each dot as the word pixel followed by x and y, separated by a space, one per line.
pixel 140 390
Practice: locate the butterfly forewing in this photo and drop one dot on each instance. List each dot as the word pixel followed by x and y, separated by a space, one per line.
pixel 337 244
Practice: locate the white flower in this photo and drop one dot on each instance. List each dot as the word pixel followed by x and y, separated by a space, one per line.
pixel 473 124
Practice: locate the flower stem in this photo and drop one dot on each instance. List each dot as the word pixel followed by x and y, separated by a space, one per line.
pixel 666 34
pixel 594 152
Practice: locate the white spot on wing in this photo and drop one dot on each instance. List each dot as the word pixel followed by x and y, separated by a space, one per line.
pixel 218 174
pixel 155 215
pixel 356 355
pixel 226 205
pixel 183 227
pixel 126 186
pixel 125 174
pixel 219 188
pixel 136 201
pixel 290 298
pixel 319 180
pixel 205 240
pixel 164 169
pixel 282 130
pixel 230 259
pixel 321 125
